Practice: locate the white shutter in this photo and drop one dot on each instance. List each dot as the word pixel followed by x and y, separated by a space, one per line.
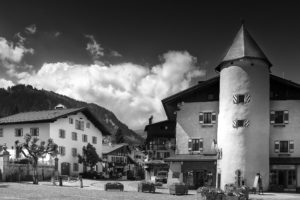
pixel 201 117
pixel 201 144
pixel 272 117
pixel 286 116
pixel 276 147
pixel 246 123
pixel 291 146
pixel 234 123
pixel 247 98
pixel 213 118
pixel 190 145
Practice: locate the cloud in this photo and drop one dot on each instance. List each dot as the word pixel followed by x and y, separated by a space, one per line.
pixel 31 29
pixel 5 83
pixel 56 34
pixel 94 48
pixel 115 54
pixel 11 52
pixel 133 92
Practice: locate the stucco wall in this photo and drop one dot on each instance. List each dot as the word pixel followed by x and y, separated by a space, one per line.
pixel 291 130
pixel 245 148
pixel 188 126
pixel 68 143
pixel 174 167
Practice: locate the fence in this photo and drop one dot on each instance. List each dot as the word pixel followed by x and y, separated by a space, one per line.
pixel 10 171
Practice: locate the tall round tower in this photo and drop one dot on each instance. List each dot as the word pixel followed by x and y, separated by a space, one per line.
pixel 243 125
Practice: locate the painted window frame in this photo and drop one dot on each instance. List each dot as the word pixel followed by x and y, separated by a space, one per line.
pixel 207 117
pixel 290 146
pixel 283 119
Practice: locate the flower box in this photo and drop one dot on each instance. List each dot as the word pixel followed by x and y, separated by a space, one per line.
pixel 178 189
pixel 144 186
pixel 114 186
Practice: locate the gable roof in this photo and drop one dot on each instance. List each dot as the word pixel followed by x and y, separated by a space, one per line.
pixel 106 149
pixel 51 116
pixel 243 46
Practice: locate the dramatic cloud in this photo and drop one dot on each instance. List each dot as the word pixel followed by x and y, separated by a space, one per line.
pixel 31 29
pixel 5 83
pixel 94 48
pixel 12 53
pixel 131 91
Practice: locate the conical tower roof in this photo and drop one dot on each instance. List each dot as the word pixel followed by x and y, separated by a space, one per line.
pixel 243 46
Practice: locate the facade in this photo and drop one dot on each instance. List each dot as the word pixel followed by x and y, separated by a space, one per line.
pixel 71 129
pixel 241 123
pixel 160 144
pixel 118 162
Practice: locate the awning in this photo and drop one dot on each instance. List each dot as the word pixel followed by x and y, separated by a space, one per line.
pixel 192 157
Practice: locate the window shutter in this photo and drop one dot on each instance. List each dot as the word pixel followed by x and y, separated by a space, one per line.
pixel 276 147
pixel 201 144
pixel 235 99
pixel 234 123
pixel 286 117
pixel 247 98
pixel 201 118
pixel 246 123
pixel 291 146
pixel 272 117
pixel 190 145
pixel 37 132
pixel 213 118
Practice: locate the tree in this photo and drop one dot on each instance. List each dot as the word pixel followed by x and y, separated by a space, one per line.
pixel 90 157
pixel 33 151
pixel 119 136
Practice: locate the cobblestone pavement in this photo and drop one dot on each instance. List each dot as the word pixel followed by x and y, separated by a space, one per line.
pixel 94 190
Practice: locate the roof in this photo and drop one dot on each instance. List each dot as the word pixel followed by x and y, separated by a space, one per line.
pixel 51 116
pixel 192 157
pixel 110 148
pixel 165 129
pixel 243 46
pixel 155 162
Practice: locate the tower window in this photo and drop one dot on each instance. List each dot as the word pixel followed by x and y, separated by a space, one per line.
pixel 241 98
pixel 240 123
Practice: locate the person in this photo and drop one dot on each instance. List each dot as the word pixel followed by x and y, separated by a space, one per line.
pixel 260 186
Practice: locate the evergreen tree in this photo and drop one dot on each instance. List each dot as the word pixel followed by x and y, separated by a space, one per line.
pixel 90 157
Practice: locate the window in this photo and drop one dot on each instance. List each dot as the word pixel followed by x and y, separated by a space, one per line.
pixel 195 144
pixel 207 117
pixel 94 140
pixel 74 152
pixel 75 167
pixel 240 123
pixel 62 150
pixel 88 125
pixel 241 98
pixel 74 136
pixel 34 131
pixel 84 138
pixel 18 132
pixel 62 133
pixel 284 146
pixel 1 132
pixel 79 125
pixel 71 120
pixel 279 117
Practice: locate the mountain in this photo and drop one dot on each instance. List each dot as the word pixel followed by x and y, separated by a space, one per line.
pixel 23 98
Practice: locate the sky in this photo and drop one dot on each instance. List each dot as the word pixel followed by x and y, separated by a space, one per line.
pixel 129 55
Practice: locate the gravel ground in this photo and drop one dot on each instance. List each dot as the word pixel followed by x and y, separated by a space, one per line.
pixel 94 190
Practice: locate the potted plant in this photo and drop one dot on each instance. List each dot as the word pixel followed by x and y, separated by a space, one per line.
pixel 144 186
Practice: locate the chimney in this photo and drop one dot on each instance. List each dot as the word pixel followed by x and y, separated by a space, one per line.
pixel 151 119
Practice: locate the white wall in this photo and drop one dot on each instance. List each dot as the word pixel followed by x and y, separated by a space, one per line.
pixel 188 126
pixel 68 143
pixel 247 148
pixel 290 131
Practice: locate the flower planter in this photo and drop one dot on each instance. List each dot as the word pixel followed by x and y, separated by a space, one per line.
pixel 114 186
pixel 178 189
pixel 146 187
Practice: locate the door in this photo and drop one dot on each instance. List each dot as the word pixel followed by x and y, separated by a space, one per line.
pixel 282 177
pixel 199 179
pixel 65 168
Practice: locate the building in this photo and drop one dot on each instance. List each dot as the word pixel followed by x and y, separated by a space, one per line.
pixel 118 162
pixel 160 144
pixel 71 129
pixel 241 123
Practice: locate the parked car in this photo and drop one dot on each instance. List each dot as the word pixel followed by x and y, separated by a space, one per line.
pixel 114 186
pixel 92 175
pixel 162 176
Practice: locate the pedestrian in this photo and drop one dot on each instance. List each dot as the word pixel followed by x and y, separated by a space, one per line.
pixel 260 186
